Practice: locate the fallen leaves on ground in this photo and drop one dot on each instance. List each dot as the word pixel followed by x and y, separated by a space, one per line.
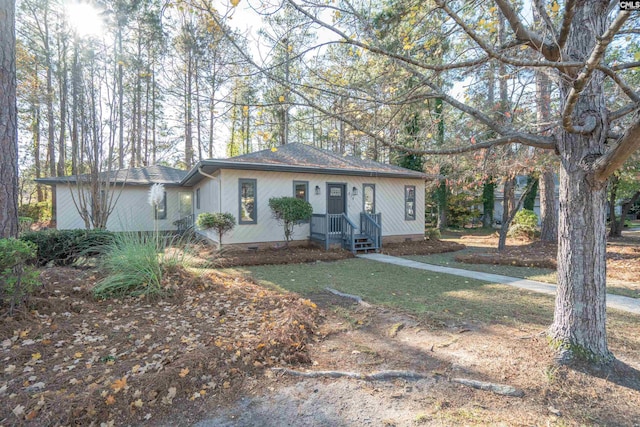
pixel 75 359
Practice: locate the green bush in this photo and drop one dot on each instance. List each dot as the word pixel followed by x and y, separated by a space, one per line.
pixel 64 247
pixel 132 265
pixel 524 225
pixel 221 222
pixel 289 211
pixel 17 278
pixel 461 209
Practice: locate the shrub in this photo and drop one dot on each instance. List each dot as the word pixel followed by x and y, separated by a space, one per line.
pixel 132 265
pixel 525 224
pixel 64 247
pixel 288 211
pixel 221 222
pixel 432 234
pixel 17 278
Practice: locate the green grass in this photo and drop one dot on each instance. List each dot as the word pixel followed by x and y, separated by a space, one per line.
pixel 434 296
pixel 442 297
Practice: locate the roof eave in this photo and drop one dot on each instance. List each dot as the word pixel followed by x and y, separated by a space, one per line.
pixel 275 167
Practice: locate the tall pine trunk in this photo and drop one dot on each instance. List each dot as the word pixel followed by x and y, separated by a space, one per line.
pixel 8 122
pixel 579 326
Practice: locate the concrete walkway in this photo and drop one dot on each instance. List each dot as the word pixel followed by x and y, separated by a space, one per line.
pixel 630 305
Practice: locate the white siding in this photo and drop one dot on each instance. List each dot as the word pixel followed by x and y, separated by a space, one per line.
pixel 389 202
pixel 132 211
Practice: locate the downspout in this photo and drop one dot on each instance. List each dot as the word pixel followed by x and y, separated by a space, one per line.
pixel 215 178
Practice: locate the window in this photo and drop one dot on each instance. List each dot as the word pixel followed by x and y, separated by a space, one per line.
pixel 247 194
pixel 161 209
pixel 185 208
pixel 369 198
pixel 197 198
pixel 409 202
pixel 301 190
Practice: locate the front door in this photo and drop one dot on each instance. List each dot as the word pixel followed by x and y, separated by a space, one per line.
pixel 336 204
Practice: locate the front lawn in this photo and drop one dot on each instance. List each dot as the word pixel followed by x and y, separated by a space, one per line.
pixel 443 297
pixel 439 299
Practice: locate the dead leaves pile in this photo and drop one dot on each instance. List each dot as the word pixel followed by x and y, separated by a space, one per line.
pixel 130 360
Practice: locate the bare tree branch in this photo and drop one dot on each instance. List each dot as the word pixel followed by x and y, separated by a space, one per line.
pixel 629 108
pixel 614 158
pixel 590 65
pixel 569 11
pixel 532 39
pixel 560 65
pixel 621 84
pixel 625 66
pixel 540 9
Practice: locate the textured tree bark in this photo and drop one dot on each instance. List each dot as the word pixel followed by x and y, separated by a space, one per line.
pixel 548 211
pixel 579 326
pixel 8 122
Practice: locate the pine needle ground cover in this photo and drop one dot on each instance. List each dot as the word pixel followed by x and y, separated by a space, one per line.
pixel 71 358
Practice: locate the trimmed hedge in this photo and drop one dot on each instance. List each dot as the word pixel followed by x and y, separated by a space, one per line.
pixel 64 247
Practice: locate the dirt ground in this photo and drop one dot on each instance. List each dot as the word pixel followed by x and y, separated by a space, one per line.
pixel 369 339
pixel 205 355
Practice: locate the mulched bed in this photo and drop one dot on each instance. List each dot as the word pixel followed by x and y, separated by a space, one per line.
pixel 623 259
pixel 270 256
pixel 426 247
pixel 304 254
pixel 71 359
pixel 537 254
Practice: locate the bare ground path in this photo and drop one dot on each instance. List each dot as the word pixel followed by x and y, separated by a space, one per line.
pixel 630 305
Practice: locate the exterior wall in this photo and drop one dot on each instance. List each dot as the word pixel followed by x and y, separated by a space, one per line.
pixel 389 198
pixel 209 196
pixel 132 211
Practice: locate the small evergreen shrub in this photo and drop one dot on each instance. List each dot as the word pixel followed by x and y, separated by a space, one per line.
pixel 432 234
pixel 288 211
pixel 524 225
pixel 64 247
pixel 18 279
pixel 221 222
pixel 133 267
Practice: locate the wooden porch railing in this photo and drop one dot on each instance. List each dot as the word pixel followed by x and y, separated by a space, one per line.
pixel 371 226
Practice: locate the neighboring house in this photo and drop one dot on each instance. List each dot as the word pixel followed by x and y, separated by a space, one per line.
pixel 357 203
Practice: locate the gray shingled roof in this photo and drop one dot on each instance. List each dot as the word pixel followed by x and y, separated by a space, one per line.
pixel 135 176
pixel 305 159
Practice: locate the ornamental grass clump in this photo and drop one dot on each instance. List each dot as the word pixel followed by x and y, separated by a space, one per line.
pixel 133 267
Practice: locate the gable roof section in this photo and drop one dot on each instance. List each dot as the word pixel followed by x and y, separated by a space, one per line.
pixel 301 158
pixel 156 174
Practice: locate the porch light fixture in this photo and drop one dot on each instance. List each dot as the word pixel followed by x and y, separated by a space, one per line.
pixel 354 191
pixel 317 190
